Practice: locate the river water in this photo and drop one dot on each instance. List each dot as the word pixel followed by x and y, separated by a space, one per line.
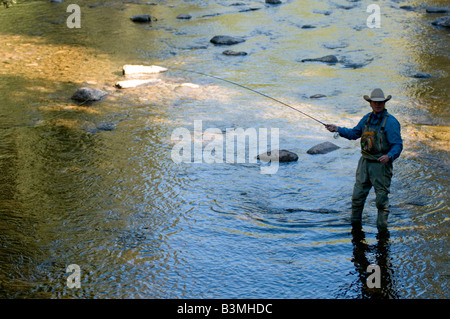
pixel 96 186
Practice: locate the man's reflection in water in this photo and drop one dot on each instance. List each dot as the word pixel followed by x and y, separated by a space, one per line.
pixel 381 250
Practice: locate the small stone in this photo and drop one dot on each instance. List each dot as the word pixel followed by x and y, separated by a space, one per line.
pixel 190 85
pixel 142 69
pixel 322 148
pixel 273 1
pixel 407 8
pixel 142 18
pixel 325 59
pixel 184 16
pixel 317 96
pixel 421 75
pixel 226 40
pixel 324 12
pixel 86 94
pixel 281 156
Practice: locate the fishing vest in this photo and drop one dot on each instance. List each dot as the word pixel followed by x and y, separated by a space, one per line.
pixel 374 143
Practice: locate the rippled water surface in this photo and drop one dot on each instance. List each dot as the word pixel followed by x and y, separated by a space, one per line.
pixel 96 186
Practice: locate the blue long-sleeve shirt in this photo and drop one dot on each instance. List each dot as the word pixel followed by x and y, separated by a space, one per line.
pixel 392 129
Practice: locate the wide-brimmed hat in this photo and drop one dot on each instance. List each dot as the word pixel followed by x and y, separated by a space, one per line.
pixel 377 95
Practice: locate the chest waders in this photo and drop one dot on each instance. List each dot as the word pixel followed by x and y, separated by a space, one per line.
pixel 371 172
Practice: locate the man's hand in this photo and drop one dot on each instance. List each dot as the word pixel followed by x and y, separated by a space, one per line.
pixel 331 127
pixel 384 159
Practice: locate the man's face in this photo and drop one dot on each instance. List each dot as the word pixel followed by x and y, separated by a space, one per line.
pixel 377 107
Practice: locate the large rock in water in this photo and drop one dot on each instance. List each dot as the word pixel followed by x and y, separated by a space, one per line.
pixel 442 22
pixel 278 155
pixel 86 94
pixel 226 40
pixel 322 148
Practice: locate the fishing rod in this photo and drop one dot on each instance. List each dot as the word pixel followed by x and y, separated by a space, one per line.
pixel 250 89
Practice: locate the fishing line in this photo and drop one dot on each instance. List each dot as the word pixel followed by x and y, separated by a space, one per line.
pixel 247 88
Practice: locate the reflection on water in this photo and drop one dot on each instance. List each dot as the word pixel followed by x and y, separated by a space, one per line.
pixel 381 252
pixel 96 186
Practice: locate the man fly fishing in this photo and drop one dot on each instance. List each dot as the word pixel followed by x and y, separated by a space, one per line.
pixel 381 144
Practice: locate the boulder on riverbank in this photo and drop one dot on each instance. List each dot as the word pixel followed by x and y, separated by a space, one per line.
pixel 87 94
pixel 226 40
pixel 281 156
pixel 322 148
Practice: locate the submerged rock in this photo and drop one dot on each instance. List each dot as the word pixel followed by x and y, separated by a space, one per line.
pixel 442 22
pixel 86 94
pixel 325 59
pixel 355 64
pixel 335 45
pixel 184 16
pixel 437 10
pixel 322 148
pixel 134 83
pixel 421 75
pixel 317 96
pixel 281 155
pixel 142 18
pixel 250 9
pixel 234 53
pixel 407 8
pixel 324 12
pixel 102 127
pixel 226 40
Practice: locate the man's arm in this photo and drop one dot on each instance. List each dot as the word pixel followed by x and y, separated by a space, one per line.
pixel 394 138
pixel 350 134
